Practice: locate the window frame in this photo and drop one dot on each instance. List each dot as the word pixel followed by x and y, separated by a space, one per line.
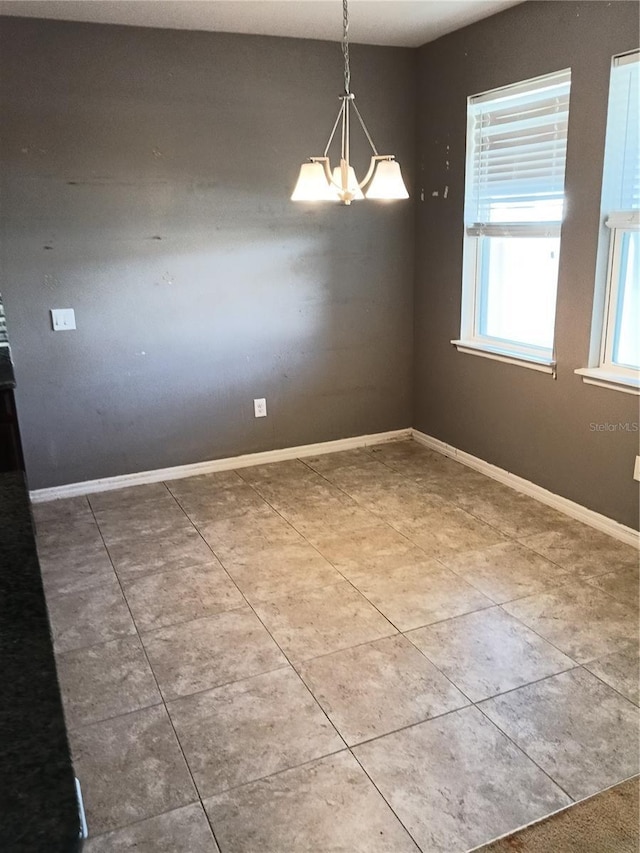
pixel 471 340
pixel 603 370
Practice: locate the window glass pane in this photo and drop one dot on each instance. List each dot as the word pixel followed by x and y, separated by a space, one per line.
pixel 626 346
pixel 518 281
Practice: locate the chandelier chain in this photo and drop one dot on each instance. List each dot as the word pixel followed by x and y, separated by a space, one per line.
pixel 345 46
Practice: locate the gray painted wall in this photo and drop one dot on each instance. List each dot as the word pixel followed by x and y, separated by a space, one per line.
pixel 146 177
pixel 513 417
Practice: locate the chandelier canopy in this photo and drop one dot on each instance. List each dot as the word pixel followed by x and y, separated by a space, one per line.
pixel 318 182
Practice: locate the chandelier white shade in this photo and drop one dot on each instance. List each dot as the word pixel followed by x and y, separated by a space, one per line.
pixel 317 181
pixel 387 182
pixel 313 184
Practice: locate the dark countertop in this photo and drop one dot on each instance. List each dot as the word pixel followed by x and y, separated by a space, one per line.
pixel 38 805
pixel 7 378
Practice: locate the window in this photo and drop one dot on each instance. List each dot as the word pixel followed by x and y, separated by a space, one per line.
pixel 514 203
pixel 615 346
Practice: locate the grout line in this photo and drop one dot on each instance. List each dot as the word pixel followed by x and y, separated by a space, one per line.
pixel 294 665
pixel 585 667
pixel 81 726
pixel 285 665
pixel 467 704
pixel 537 633
pixel 523 752
pixel 249 604
pixel 157 683
pixel 526 684
pixel 148 632
pixel 120 827
pixel 276 773
pixel 385 800
pixel 366 643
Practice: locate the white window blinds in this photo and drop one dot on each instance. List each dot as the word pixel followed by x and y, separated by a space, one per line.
pixel 516 152
pixel 621 190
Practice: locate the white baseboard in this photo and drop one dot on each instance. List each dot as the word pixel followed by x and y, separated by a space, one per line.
pixel 105 484
pixel 575 510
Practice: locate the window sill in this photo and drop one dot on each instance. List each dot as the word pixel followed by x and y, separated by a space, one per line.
pixel 544 365
pixel 607 379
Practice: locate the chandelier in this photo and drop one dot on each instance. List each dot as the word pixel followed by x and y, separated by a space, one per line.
pixel 317 181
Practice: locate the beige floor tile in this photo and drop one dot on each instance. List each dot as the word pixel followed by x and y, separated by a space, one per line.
pixel 338 518
pixel 484 491
pixel 488 652
pixel 240 537
pixel 446 530
pixel 406 502
pixel 281 492
pixel 474 786
pixel 623 585
pixel 322 621
pixel 583 551
pixel 380 516
pixel 166 598
pixel 206 653
pixel 183 830
pixel 369 550
pixel 178 547
pixel 92 616
pixel 75 568
pixel 582 733
pixel 365 481
pixel 427 466
pixel 153 519
pixel 288 470
pixel 309 486
pixel 583 622
pixel 329 462
pixel 379 687
pixel 506 571
pixel 312 517
pixel 204 484
pixel 328 805
pixel 206 507
pixel 403 448
pixel 130 768
pixel 105 681
pixel 253 728
pixel 280 570
pixel 511 513
pixel 132 496
pixel 61 511
pixel 620 670
pixel 420 594
pixel 448 479
pixel 59 536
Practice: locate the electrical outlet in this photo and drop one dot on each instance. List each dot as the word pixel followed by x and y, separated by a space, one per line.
pixel 260 408
pixel 636 469
pixel 63 319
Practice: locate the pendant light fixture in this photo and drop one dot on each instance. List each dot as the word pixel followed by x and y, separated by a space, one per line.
pixel 318 182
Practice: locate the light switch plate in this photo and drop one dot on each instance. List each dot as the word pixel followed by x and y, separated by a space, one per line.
pixel 63 319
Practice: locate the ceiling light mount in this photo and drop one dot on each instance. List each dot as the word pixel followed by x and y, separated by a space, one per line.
pixel 318 182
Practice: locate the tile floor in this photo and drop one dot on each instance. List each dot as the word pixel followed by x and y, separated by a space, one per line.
pixel 375 650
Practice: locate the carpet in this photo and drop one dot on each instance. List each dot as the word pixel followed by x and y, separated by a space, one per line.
pixel 605 823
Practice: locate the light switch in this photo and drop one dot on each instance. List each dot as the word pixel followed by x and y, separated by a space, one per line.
pixel 63 319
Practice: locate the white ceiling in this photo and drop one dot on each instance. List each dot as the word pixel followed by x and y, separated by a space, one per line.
pixel 408 23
